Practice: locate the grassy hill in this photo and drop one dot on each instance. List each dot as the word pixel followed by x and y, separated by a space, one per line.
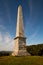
pixel 36 59
pixel 24 60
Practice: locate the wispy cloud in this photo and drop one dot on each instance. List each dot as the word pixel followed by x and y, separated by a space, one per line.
pixel 0 37
pixel 6 40
pixel 32 37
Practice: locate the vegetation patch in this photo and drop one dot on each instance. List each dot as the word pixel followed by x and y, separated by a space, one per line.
pixel 24 60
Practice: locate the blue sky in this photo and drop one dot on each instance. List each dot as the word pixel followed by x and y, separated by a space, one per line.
pixel 33 22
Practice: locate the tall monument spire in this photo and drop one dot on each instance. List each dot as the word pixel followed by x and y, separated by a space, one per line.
pixel 20 40
pixel 20 26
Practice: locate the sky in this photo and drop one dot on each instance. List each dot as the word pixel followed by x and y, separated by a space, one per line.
pixel 32 18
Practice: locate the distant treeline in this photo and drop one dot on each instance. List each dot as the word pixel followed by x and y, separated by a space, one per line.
pixel 5 53
pixel 35 49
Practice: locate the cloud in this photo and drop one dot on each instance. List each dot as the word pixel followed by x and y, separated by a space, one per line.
pixel 6 42
pixel 0 37
pixel 32 37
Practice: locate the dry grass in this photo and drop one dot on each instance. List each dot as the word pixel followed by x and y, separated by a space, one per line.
pixel 24 60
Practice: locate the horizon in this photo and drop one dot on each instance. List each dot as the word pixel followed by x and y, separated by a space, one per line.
pixel 32 18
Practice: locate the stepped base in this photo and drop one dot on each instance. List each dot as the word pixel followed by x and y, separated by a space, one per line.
pixel 20 53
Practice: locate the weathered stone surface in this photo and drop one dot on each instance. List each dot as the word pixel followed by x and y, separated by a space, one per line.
pixel 20 40
pixel 20 26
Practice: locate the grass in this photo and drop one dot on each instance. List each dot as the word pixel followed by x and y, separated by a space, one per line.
pixel 24 60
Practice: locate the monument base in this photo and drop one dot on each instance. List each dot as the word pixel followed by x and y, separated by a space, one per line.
pixel 20 53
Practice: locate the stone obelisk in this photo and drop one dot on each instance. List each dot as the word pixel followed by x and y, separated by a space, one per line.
pixel 20 39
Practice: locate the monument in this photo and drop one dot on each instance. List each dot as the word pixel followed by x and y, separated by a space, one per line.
pixel 20 39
